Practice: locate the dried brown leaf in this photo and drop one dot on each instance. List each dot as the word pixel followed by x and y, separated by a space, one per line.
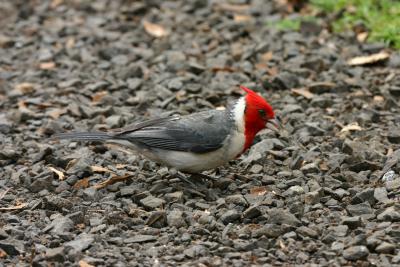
pixel 261 66
pixel 120 166
pixel 155 30
pixel 370 59
pixel 60 174
pixel 99 96
pixel 83 263
pixel 282 245
pixel 273 71
pixel 323 166
pixel 56 112
pixel 303 92
pixel 16 207
pixel 25 88
pixel 267 56
pixel 100 169
pixel 71 163
pixel 39 105
pixel 56 3
pixel 80 226
pixel 378 99
pixel 241 18
pixel 362 36
pixel 2 194
pixel 258 191
pixel 83 183
pixel 47 65
pixel 23 107
pixel 70 42
pixel 225 69
pixel 351 127
pixel 112 180
pixel 3 254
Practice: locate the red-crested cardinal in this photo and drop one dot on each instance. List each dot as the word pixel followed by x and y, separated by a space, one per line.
pixel 195 142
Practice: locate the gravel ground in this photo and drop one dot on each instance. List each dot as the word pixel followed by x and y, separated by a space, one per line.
pixel 324 192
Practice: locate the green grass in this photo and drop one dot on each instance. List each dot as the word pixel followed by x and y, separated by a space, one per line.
pixel 381 17
pixel 292 24
pixel 287 24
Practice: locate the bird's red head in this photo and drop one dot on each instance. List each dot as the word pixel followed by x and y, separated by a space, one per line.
pixel 256 115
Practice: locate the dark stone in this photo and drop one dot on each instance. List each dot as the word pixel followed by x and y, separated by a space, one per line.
pixel 365 195
pixel 281 216
pixel 352 222
pixel 252 212
pixel 11 247
pixel 355 253
pixel 80 243
pixel 285 80
pixel 362 209
pixel 385 248
pixel 55 254
pixel 389 214
pixel 230 216
pixel 152 202
pixel 41 183
pixel 140 239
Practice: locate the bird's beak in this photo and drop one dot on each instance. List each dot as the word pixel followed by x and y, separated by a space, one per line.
pixel 274 124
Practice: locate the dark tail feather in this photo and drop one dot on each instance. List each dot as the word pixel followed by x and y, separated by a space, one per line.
pixel 83 136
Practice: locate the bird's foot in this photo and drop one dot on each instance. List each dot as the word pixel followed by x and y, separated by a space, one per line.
pixel 184 178
pixel 204 176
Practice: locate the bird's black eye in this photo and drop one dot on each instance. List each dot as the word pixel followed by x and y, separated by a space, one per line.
pixel 262 113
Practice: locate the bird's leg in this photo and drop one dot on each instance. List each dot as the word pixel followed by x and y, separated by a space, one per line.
pixel 205 177
pixel 174 173
pixel 184 178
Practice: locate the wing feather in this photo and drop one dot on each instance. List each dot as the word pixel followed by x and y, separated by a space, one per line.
pixel 199 133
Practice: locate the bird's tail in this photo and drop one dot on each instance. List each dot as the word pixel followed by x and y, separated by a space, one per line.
pixel 84 136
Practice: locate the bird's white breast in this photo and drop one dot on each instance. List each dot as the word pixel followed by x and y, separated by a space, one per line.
pixel 195 162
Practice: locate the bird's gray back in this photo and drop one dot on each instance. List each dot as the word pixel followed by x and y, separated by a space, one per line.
pixel 199 132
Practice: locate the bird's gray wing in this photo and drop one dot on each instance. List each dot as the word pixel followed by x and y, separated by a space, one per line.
pixel 199 133
pixel 152 122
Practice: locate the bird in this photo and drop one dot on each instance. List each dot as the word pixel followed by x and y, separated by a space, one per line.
pixel 196 142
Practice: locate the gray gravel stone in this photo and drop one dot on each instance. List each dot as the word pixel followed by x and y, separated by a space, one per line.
pixel 281 216
pixel 305 231
pixel 393 185
pixel 230 216
pixel 41 183
pixel 352 222
pixel 389 214
pixel 11 247
pixel 80 243
pixel 252 212
pixel 363 209
pixel 386 248
pixel 365 195
pixel 61 225
pixel 152 202
pixel 380 194
pixel 140 239
pixel 91 194
pixel 312 198
pixel 175 218
pixel 355 253
pixel 55 254
pixel 195 251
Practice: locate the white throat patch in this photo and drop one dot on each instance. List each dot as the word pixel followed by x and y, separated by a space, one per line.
pixel 238 113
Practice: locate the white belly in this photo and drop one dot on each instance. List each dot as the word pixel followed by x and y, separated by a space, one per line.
pixel 194 162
